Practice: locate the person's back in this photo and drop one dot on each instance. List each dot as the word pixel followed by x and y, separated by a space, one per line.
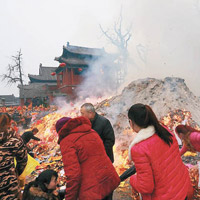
pixel 161 174
pixel 171 178
pixel 11 146
pixel 28 135
pixel 90 172
pixel 104 128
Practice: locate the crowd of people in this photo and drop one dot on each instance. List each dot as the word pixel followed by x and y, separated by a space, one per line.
pixel 86 144
pixel 23 116
pixel 37 102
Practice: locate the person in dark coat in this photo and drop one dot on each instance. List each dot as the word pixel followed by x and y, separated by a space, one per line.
pixel 11 146
pixel 28 135
pixel 102 126
pixel 89 172
pixel 43 187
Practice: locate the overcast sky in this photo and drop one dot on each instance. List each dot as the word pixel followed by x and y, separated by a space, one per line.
pixel 165 34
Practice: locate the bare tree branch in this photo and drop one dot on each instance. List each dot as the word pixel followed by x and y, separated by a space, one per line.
pixel 14 72
pixel 119 39
pixel 113 41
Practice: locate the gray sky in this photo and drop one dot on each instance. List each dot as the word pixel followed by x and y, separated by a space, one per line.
pixel 165 34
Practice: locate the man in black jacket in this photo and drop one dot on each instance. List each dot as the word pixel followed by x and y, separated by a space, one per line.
pixel 104 128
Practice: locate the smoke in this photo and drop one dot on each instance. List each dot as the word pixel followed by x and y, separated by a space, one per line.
pixel 165 34
pixel 99 80
pixel 165 40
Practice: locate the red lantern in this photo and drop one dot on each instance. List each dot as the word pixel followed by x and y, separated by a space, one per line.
pixel 62 65
pixel 80 69
pixel 61 73
pixel 53 73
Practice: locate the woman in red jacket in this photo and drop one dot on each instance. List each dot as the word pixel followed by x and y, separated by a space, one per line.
pixel 89 172
pixel 190 138
pixel 161 174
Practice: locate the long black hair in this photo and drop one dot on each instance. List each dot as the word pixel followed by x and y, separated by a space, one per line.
pixel 144 116
pixel 44 177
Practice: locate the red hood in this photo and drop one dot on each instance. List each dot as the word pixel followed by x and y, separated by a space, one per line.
pixel 74 125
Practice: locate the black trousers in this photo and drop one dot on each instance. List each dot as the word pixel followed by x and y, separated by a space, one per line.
pixel 109 197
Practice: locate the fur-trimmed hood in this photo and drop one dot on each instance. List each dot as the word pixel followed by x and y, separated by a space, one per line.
pixel 143 134
pixel 37 192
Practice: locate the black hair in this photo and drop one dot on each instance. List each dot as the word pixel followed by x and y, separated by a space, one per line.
pixel 44 177
pixel 35 130
pixel 144 116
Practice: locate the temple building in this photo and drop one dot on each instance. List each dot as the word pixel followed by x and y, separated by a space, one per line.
pixel 63 80
pixel 41 86
pixel 74 63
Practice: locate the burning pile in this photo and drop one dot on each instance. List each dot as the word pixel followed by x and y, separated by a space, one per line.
pixel 177 117
pixel 48 151
pixel 167 97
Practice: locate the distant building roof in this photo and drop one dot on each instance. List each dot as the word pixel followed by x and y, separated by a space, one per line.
pixel 44 75
pixel 9 100
pixel 34 89
pixel 84 50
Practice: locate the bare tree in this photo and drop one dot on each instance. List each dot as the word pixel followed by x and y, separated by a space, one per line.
pixel 14 72
pixel 119 39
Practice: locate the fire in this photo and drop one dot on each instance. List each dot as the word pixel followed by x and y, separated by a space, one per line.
pixel 48 151
pixel 178 117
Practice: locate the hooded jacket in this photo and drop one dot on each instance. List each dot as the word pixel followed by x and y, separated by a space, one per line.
pixel 161 174
pixel 11 146
pixel 89 171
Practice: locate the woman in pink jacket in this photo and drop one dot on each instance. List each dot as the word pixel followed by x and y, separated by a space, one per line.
pixel 161 174
pixel 190 138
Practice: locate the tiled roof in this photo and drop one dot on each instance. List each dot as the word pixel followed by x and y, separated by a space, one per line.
pixel 44 74
pixel 84 50
pixel 72 61
pixel 34 89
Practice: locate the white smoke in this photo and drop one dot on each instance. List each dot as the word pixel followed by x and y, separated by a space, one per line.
pixel 100 79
